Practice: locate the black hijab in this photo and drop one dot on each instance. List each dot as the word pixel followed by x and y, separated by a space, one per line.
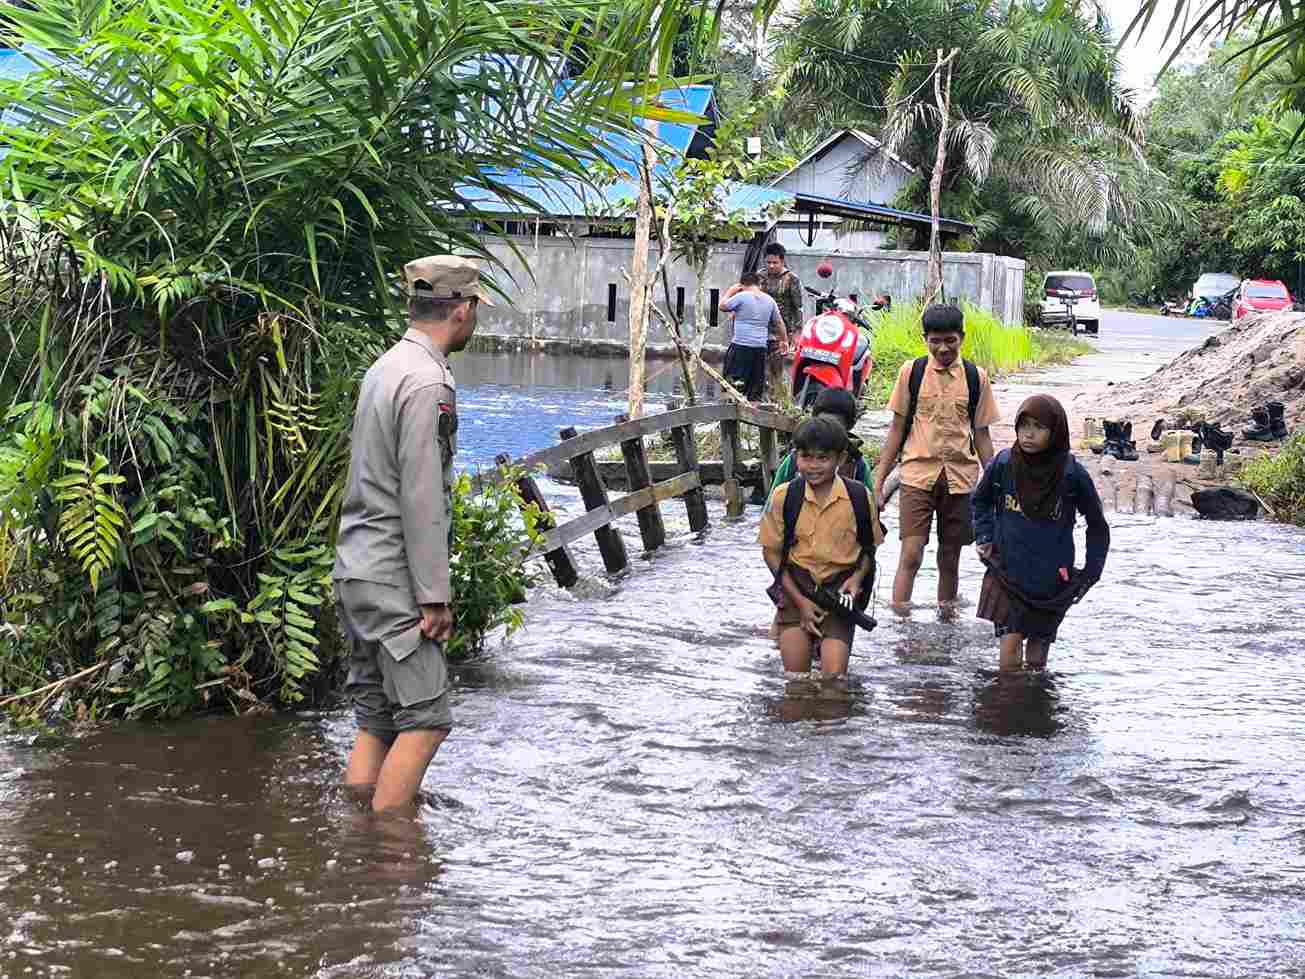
pixel 1038 474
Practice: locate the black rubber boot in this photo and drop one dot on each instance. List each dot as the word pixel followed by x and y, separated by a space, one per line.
pixel 1112 433
pixel 1263 431
pixel 1214 437
pixel 1157 430
pixel 1127 447
pixel 1277 424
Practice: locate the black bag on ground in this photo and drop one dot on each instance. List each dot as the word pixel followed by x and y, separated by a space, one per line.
pixel 1225 503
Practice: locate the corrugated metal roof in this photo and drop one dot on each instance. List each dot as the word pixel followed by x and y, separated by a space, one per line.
pixel 560 198
pixel 876 213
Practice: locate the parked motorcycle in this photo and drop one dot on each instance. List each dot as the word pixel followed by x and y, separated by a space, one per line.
pixel 833 349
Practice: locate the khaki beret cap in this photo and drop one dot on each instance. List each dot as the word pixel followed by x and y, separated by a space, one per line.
pixel 445 277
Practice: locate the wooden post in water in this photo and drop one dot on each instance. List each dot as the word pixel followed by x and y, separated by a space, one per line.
pixel 1145 494
pixel 1109 491
pixel 651 528
pixel 686 454
pixel 1164 498
pixel 594 493
pixel 729 456
pixel 559 561
pixel 769 461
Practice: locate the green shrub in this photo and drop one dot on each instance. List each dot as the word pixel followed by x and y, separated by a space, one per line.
pixel 491 532
pixel 1279 481
pixel 995 346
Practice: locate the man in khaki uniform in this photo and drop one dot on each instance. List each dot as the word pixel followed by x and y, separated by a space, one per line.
pixel 783 286
pixel 392 555
pixel 943 457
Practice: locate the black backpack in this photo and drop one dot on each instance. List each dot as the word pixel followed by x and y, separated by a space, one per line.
pixel 860 499
pixel 917 379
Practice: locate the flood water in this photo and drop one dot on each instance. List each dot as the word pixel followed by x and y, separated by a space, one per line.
pixel 633 788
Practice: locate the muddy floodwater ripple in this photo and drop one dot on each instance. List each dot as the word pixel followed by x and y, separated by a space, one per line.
pixel 634 789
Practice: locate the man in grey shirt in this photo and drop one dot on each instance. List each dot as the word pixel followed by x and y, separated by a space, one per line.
pixel 392 552
pixel 755 316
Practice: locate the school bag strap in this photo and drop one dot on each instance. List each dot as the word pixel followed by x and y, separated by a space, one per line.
pixel 859 497
pixel 917 380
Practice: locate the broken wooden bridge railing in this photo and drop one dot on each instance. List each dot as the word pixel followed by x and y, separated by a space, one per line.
pixel 644 499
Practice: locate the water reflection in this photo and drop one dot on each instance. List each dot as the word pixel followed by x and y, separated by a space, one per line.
pixel 632 781
pixel 1022 703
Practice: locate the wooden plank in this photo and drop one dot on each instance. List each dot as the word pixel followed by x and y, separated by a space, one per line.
pixel 729 454
pixel 769 462
pixel 651 527
pixel 612 434
pixel 1164 498
pixel 610 542
pixel 686 456
pixel 573 530
pixel 612 471
pixel 1145 494
pixel 558 558
pixel 766 419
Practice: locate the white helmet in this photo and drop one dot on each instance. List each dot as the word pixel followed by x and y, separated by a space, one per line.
pixel 845 306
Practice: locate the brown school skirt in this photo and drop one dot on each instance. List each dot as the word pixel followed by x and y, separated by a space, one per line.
pixel 1008 614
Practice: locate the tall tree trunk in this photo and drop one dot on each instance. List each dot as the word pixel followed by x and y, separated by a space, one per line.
pixel 640 281
pixel 942 92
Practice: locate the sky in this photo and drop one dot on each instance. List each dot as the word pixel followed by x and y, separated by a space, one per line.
pixel 1144 54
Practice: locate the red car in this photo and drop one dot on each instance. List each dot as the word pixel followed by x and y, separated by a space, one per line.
pixel 1260 295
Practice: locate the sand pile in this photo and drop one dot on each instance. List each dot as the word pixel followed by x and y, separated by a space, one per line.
pixel 1259 359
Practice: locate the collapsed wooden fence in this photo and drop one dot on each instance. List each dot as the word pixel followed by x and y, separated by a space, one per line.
pixel 645 497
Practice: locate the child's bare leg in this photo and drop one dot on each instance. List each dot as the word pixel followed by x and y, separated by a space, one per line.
pixel 795 649
pixel 1035 654
pixel 834 655
pixel 1012 652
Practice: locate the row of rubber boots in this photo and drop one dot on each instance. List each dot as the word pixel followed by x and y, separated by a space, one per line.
pixel 1270 425
pixel 1119 441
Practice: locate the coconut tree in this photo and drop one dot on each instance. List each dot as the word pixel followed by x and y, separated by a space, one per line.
pixel 1035 98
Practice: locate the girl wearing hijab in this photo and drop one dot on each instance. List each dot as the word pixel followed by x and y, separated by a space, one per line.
pixel 1024 512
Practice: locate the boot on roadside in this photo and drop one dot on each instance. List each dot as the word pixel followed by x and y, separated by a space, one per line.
pixel 1214 437
pixel 1111 446
pixel 1277 423
pixel 1262 431
pixel 1127 447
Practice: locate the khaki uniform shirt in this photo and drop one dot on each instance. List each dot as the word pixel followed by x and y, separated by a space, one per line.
pixel 940 441
pixel 786 290
pixel 396 515
pixel 826 541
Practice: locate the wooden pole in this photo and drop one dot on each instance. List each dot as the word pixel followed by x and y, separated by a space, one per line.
pixel 1164 498
pixel 769 460
pixel 1145 494
pixel 942 91
pixel 686 454
pixel 651 527
pixel 729 457
pixel 610 543
pixel 559 561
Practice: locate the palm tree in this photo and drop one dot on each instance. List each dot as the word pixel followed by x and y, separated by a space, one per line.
pixel 1035 102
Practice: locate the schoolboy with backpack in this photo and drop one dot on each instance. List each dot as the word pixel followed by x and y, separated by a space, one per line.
pixel 818 536
pixel 942 409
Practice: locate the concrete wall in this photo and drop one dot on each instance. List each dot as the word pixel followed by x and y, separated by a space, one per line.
pixel 567 298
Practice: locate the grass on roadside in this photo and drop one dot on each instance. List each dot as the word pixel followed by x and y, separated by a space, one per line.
pixel 1279 481
pixel 997 347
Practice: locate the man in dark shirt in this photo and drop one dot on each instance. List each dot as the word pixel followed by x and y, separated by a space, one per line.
pixel 785 288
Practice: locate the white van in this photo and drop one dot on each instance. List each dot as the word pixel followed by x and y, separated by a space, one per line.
pixel 1079 286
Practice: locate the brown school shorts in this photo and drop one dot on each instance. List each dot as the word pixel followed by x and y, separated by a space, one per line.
pixel 832 627
pixel 918 506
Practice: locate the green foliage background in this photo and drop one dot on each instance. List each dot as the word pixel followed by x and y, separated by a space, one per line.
pixel 206 206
